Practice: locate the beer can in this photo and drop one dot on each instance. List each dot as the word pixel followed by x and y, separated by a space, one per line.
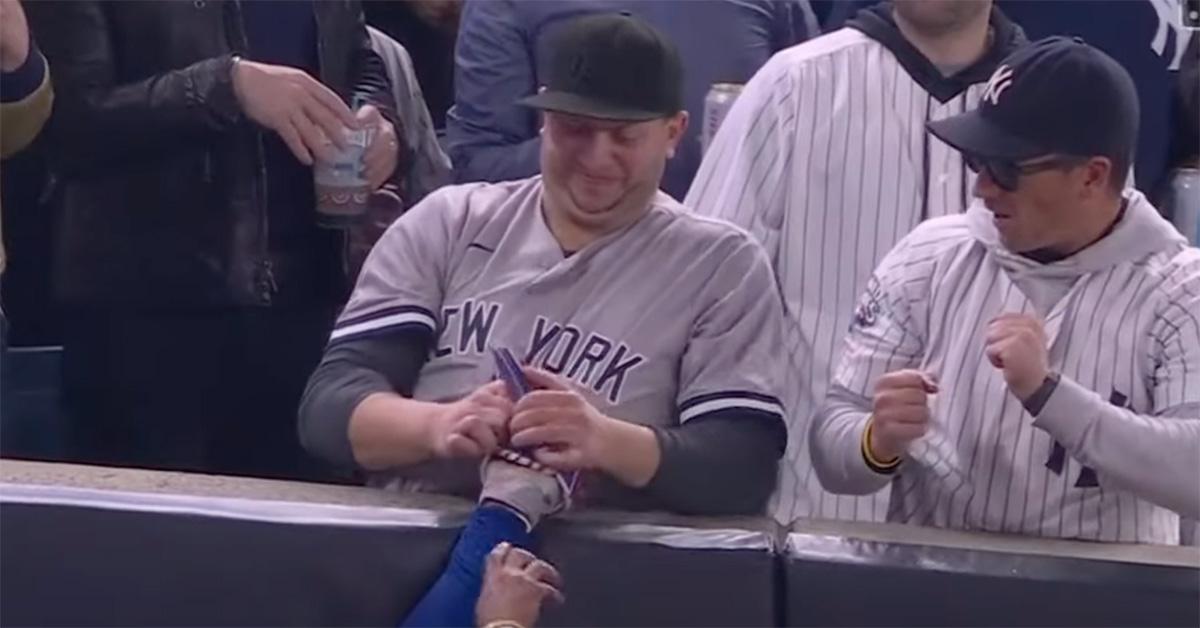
pixel 717 104
pixel 1184 203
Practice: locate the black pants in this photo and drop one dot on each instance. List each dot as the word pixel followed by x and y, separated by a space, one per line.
pixel 214 391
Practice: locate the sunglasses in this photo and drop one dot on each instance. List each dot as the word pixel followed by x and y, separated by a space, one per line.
pixel 1007 174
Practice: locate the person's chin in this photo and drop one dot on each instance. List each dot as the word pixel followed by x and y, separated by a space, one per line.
pixel 1020 246
pixel 595 215
pixel 590 203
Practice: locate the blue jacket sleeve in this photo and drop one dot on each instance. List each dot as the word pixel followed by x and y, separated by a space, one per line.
pixel 489 136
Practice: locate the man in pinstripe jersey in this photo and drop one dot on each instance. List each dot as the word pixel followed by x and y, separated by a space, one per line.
pixel 825 159
pixel 1031 366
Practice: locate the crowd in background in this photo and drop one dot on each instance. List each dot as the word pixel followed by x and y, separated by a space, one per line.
pixel 161 228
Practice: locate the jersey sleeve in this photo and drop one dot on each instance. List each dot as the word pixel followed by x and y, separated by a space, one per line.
pixel 884 336
pixel 402 282
pixel 744 175
pixel 1152 455
pixel 732 363
pixel 1176 331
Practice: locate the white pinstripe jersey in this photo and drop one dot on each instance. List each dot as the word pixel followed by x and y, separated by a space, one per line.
pixel 661 322
pixel 1123 322
pixel 825 158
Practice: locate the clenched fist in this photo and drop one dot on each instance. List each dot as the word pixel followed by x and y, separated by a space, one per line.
pixel 900 412
pixel 473 426
pixel 1017 345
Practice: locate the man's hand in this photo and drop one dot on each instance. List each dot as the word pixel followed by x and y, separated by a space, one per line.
pixel 383 153
pixel 568 432
pixel 14 35
pixel 514 586
pixel 309 117
pixel 901 412
pixel 473 426
pixel 1017 345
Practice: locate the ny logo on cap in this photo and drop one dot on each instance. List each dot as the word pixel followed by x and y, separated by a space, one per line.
pixel 1001 79
pixel 581 70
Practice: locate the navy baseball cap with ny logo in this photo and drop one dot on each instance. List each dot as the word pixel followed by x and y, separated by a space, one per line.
pixel 612 66
pixel 1054 96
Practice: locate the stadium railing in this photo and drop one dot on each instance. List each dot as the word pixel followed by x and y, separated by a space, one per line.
pixel 105 547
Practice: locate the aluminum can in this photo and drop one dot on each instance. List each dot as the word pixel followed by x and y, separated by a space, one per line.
pixel 717 104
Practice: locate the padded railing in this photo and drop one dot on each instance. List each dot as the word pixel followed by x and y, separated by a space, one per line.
pixel 107 547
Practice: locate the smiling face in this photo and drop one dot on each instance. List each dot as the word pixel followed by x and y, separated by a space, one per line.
pixel 601 174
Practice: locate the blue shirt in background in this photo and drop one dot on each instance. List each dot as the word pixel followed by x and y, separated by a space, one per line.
pixel 503 51
pixel 284 32
pixel 1145 36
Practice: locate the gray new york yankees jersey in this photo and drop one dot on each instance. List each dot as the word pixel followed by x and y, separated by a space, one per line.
pixel 669 319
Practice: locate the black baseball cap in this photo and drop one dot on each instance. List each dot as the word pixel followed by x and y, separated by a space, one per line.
pixel 612 66
pixel 1057 95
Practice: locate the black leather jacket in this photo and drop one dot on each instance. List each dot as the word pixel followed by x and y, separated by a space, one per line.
pixel 163 178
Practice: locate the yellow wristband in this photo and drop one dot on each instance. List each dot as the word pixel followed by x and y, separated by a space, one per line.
pixel 869 456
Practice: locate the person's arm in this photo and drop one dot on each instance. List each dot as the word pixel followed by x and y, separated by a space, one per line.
pixel 358 412
pixel 515 586
pixel 26 98
pixel 734 438
pixel 745 175
pixel 384 159
pixel 731 427
pixel 472 592
pixel 371 81
pixel 349 408
pixel 884 337
pixel 737 454
pixel 429 166
pixel 25 93
pixel 489 136
pixel 736 447
pixel 837 443
pixel 1153 455
pixel 102 120
pixel 355 410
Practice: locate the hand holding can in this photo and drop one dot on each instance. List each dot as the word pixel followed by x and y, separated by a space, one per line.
pixel 342 188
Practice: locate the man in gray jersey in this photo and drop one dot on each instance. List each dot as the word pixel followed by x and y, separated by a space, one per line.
pixel 1031 366
pixel 652 331
pixel 825 158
